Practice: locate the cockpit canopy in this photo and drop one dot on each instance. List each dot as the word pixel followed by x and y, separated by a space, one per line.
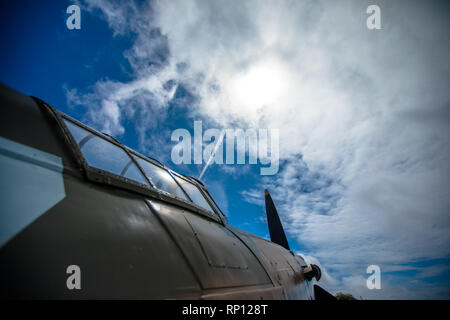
pixel 99 151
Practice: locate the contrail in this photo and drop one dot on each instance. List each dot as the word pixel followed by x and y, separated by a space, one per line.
pixel 218 143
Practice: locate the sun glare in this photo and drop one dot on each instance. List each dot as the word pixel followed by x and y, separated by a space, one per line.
pixel 261 85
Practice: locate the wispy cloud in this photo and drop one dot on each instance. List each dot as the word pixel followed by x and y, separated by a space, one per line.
pixel 253 196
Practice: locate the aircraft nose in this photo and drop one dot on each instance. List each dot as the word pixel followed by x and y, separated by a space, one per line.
pixel 312 271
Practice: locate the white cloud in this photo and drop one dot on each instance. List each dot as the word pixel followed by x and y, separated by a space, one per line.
pixel 253 196
pixel 363 115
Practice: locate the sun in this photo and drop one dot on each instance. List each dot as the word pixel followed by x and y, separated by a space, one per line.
pixel 261 85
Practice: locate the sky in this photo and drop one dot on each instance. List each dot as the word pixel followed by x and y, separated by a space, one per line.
pixel 363 115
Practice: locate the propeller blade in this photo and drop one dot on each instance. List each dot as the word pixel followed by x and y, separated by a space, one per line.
pixel 275 228
pixel 322 294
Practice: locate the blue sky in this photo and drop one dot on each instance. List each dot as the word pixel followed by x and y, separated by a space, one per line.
pixel 363 115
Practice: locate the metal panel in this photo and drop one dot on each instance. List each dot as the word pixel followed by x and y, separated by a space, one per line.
pixel 119 244
pixel 31 183
pixel 219 246
pixel 286 267
pixel 219 258
pixel 22 121
pixel 248 293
